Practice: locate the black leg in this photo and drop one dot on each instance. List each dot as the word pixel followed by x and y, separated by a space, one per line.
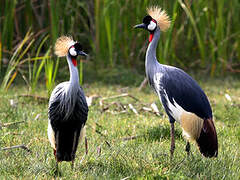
pixel 188 148
pixel 86 145
pixel 172 140
pixel 72 166
pixel 56 145
pixel 57 167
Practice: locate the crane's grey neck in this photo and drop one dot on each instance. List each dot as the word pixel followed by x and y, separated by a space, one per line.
pixel 74 78
pixel 151 63
pixel 70 94
pixel 152 66
pixel 151 58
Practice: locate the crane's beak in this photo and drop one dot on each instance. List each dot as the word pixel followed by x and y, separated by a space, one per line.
pixel 141 26
pixel 81 53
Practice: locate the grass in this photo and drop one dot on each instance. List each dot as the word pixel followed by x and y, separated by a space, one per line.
pixel 146 157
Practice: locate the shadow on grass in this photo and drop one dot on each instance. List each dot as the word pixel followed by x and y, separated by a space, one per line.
pixel 161 132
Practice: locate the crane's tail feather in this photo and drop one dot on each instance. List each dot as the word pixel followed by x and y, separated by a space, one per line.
pixel 67 143
pixel 207 141
pixel 201 131
pixel 51 135
pixel 191 126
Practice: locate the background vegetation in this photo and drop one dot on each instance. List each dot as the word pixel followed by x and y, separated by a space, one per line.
pixel 204 35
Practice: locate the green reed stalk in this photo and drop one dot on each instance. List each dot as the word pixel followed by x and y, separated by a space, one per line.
pixel 109 38
pixel 170 32
pixel 220 33
pixel 111 19
pixel 97 25
pixel 54 19
pixel 51 69
pixel 37 67
pixel 195 28
pixel 8 25
pixel 49 66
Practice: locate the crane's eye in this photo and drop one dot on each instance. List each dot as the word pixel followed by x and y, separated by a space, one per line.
pixel 152 25
pixel 72 51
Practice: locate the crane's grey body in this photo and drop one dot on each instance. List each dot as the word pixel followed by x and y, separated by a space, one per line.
pixel 67 114
pixel 68 94
pixel 174 87
pixel 182 98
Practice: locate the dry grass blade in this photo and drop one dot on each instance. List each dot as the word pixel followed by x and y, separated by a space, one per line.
pixel 128 177
pixel 11 123
pixel 155 109
pixel 91 98
pixel 40 98
pixel 99 150
pixel 133 109
pixel 119 105
pixel 130 138
pixel 11 80
pixel 117 96
pixel 22 146
pixel 143 84
pixel 147 109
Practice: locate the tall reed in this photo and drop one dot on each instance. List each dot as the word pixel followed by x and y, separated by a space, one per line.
pixel 51 69
pixel 18 55
pixel 37 66
pixel 8 23
pixel 203 34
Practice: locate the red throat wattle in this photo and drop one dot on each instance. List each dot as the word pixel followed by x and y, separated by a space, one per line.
pixel 151 37
pixel 74 61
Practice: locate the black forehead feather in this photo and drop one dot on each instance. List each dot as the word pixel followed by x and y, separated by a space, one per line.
pixel 78 46
pixel 147 19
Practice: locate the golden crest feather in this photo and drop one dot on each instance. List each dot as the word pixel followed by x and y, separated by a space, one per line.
pixel 160 16
pixel 62 45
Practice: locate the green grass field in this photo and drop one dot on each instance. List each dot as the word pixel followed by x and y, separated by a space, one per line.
pixel 112 153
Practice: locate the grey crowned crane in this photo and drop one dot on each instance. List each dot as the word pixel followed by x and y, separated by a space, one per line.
pixel 182 98
pixel 68 109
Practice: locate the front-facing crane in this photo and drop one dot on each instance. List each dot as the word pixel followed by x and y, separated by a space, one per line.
pixel 68 109
pixel 182 98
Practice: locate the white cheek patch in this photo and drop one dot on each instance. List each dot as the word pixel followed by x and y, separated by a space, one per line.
pixel 152 26
pixel 72 52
